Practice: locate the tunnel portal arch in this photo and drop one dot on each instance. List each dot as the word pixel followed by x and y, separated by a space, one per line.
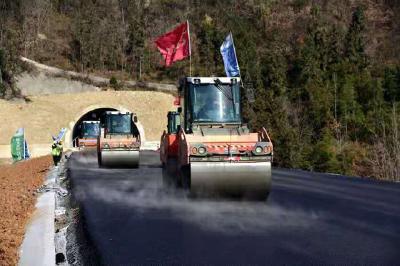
pixel 95 112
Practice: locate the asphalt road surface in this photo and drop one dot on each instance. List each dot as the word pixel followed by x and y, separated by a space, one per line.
pixel 133 218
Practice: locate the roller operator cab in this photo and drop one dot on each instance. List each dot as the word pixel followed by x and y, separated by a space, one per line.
pixel 90 131
pixel 215 152
pixel 169 142
pixel 169 148
pixel 119 141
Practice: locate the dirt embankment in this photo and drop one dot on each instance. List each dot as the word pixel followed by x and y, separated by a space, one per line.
pixel 18 184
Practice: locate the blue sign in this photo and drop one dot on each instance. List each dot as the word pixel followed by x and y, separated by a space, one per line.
pixel 19 146
pixel 229 56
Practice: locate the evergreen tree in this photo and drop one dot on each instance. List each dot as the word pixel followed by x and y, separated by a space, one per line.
pixel 136 35
pixel 391 84
pixel 354 44
pixel 210 40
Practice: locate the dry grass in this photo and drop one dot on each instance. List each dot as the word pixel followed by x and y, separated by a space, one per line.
pixel 5 161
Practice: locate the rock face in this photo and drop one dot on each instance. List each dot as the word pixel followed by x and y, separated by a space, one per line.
pixel 42 84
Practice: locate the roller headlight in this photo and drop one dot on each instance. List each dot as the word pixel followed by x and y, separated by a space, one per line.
pixel 198 149
pixel 202 150
pixel 259 149
pixel 106 146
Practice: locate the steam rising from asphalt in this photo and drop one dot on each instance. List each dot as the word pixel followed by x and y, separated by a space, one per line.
pixel 223 216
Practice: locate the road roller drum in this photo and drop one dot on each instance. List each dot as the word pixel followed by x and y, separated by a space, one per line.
pixel 119 142
pixel 120 158
pixel 243 180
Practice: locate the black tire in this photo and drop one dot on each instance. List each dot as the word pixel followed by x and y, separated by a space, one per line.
pixel 99 162
pixel 184 177
pixel 170 174
pixel 257 197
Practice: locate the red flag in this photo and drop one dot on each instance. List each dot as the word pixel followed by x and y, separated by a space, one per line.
pixel 175 45
pixel 177 101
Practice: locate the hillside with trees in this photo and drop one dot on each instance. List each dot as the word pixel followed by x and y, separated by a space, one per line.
pixel 326 74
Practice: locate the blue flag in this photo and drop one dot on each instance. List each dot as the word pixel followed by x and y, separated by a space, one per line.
pixel 229 56
pixel 60 135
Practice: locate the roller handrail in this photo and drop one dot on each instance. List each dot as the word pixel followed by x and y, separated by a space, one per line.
pixel 182 135
pixel 263 134
pixel 162 152
pixel 74 142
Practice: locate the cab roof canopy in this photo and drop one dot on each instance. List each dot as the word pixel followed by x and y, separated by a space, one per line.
pixel 91 122
pixel 212 80
pixel 118 113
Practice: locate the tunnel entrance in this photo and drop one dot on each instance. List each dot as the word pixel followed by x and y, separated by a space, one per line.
pixel 94 115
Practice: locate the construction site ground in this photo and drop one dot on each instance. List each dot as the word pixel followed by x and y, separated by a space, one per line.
pixel 4 161
pixel 18 185
pixel 134 217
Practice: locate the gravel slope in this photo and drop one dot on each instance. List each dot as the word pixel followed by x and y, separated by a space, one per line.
pixel 18 184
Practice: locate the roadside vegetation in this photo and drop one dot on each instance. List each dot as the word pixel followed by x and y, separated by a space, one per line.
pixel 8 89
pixel 326 74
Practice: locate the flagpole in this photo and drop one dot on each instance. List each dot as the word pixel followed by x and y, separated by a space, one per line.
pixel 23 141
pixel 190 50
pixel 237 63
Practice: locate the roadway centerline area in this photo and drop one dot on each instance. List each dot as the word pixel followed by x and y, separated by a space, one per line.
pixel 132 217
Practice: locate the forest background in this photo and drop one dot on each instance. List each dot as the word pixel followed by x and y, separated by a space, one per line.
pixel 325 74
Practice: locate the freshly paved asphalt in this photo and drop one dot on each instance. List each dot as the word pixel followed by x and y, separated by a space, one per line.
pixel 133 218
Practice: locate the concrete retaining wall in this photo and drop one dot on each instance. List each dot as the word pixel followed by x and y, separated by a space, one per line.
pixel 42 84
pixel 45 115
